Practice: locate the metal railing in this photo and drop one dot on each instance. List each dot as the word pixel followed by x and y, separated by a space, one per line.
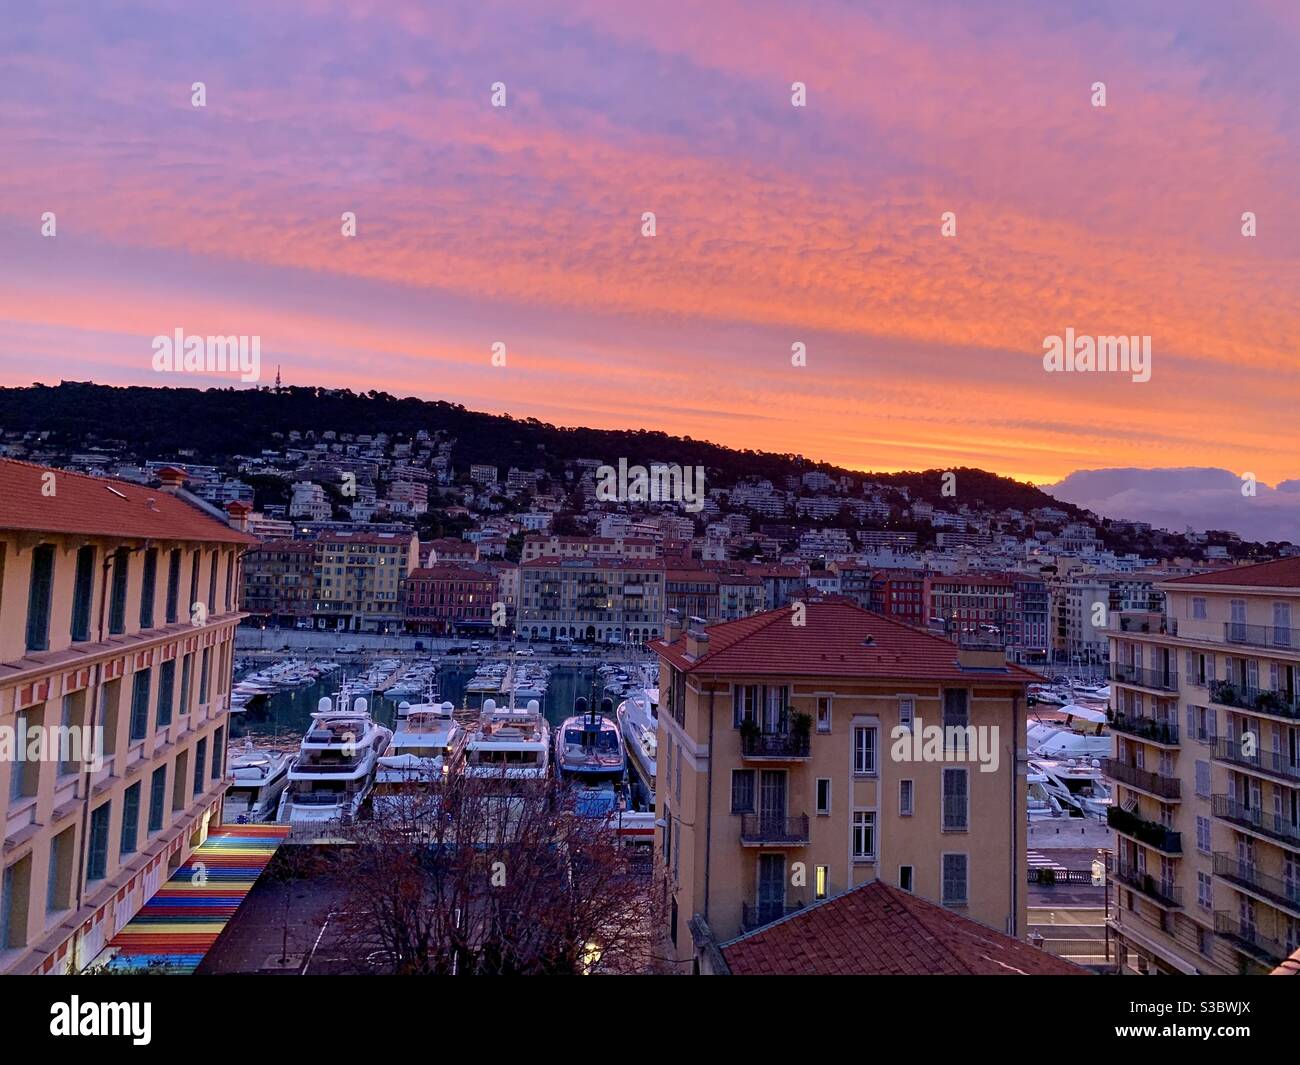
pixel 775 744
pixel 1145 728
pixel 1275 826
pixel 1142 779
pixel 1260 700
pixel 1248 874
pixel 1144 883
pixel 757 914
pixel 1249 938
pixel 760 828
pixel 1275 763
pixel 1159 679
pixel 1260 635
pixel 1152 833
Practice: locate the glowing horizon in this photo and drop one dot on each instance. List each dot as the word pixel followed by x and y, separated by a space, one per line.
pixel 775 224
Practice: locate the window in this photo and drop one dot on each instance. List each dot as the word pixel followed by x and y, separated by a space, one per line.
pixel 1203 834
pixel 38 599
pixel 117 603
pixel 83 592
pixel 864 835
pixel 212 582
pixel 905 877
pixel 140 704
pixel 742 791
pixel 954 879
pixel 195 561
pixel 823 795
pixel 822 883
pixel 218 751
pixel 186 670
pixel 746 702
pixel 1204 891
pixel 157 796
pixel 1198 608
pixel 173 586
pixel 905 798
pixel 73 706
pixel 823 713
pixel 906 711
pixel 864 749
pixel 955 800
pixel 58 881
pixel 204 676
pixel 166 692
pixel 149 584
pixel 97 863
pixel 200 756
pixel 19 773
pixel 130 819
pixel 1203 779
pixel 955 710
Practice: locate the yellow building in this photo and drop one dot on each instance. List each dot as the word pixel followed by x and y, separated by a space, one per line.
pixel 118 609
pixel 1206 712
pixel 811 749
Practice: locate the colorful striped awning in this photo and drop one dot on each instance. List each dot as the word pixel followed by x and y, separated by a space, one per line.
pixel 178 926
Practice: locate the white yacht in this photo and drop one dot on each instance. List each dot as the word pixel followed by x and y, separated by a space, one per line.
pixel 335 768
pixel 589 745
pixel 259 776
pixel 638 719
pixel 1080 733
pixel 427 746
pixel 510 743
pixel 1076 784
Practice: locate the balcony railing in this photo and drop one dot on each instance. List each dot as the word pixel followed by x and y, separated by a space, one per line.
pixel 1145 728
pixel 759 828
pixel 1248 875
pixel 775 744
pixel 1159 679
pixel 1249 938
pixel 1274 763
pixel 757 914
pixel 1152 833
pixel 1144 883
pixel 1259 700
pixel 1272 825
pixel 1260 635
pixel 1139 621
pixel 1142 779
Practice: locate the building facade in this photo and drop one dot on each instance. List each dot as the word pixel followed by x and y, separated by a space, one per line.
pixel 781 781
pixel 603 600
pixel 1205 706
pixel 118 610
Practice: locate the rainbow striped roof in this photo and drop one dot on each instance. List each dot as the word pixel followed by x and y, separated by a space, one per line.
pixel 177 927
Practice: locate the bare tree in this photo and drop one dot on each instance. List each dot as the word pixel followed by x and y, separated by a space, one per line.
pixel 496 876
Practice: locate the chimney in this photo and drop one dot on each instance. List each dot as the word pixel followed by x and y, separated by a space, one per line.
pixel 238 512
pixel 172 478
pixel 673 627
pixel 697 643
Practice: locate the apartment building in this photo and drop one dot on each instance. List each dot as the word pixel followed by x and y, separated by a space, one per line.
pixel 972 602
pixel 358 579
pixel 1206 711
pixel 596 599
pixel 556 546
pixel 118 610
pixel 280 581
pixel 781 779
pixel 448 598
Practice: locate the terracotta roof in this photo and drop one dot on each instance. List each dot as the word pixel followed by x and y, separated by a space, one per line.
pixel 1282 573
pixel 838 638
pixel 451 571
pixel 100 506
pixel 880 930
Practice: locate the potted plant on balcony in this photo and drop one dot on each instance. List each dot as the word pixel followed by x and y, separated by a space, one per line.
pixel 1269 702
pixel 748 732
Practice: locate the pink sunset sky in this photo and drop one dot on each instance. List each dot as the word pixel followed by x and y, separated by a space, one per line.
pixel 775 224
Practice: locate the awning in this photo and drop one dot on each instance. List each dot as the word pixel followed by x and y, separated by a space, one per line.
pixel 177 927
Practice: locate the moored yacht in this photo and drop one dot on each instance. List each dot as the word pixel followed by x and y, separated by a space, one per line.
pixel 427 746
pixel 335 768
pixel 638 719
pixel 510 743
pixel 589 746
pixel 259 776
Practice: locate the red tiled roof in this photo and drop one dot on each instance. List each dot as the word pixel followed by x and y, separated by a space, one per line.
pixel 451 571
pixel 1282 573
pixel 833 641
pixel 880 930
pixel 99 506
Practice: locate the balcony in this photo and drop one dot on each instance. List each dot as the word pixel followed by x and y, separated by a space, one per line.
pixel 775 746
pixel 1152 833
pixel 1249 939
pixel 759 830
pixel 1257 700
pixel 1239 632
pixel 1155 679
pixel 1247 875
pixel 1146 621
pixel 1270 763
pixel 1145 728
pixel 1162 893
pixel 757 914
pixel 1275 827
pixel 1162 787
